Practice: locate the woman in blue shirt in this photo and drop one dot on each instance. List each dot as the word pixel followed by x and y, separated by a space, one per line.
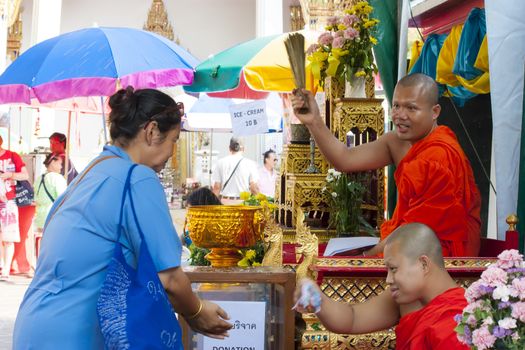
pixel 59 308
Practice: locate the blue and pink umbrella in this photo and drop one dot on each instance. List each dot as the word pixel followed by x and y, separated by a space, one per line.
pixel 95 62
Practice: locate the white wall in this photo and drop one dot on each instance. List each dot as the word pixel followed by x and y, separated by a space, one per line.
pixel 204 27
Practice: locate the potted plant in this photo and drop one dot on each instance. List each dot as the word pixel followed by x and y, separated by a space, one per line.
pixel 344 51
pixel 346 193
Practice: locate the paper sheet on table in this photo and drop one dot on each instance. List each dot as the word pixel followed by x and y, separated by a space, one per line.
pixel 340 245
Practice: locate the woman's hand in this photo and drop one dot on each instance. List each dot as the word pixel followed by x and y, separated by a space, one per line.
pixel 211 321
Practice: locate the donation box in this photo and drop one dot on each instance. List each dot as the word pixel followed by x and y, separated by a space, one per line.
pixel 258 300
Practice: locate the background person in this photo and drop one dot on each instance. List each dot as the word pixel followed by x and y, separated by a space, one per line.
pixel 434 179
pixel 58 144
pixel 48 187
pixel 12 168
pixel 234 174
pixel 59 307
pixel 421 299
pixel 267 174
pixel 201 196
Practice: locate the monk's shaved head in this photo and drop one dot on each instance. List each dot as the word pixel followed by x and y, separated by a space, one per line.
pixel 414 240
pixel 427 85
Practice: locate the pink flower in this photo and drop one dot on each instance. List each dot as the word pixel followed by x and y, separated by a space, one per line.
pixel 350 33
pixel 518 311
pixel 507 323
pixel 338 43
pixel 312 49
pixel 471 320
pixel 338 34
pixel 478 304
pixel 332 21
pixel 348 20
pixel 494 276
pixel 518 284
pixel 473 292
pixel 482 338
pixel 325 39
pixel 510 258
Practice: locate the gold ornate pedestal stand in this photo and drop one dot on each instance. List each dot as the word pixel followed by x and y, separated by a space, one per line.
pixel 364 118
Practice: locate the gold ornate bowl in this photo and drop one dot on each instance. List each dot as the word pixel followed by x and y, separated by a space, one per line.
pixel 225 229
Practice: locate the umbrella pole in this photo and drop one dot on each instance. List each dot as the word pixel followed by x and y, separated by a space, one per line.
pixel 66 165
pixel 104 126
pixel 211 159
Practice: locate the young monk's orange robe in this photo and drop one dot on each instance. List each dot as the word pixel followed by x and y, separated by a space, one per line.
pixel 432 327
pixel 436 187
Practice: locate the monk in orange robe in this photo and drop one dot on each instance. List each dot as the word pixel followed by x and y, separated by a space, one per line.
pixel 421 298
pixel 436 187
pixel 434 178
pixel 432 326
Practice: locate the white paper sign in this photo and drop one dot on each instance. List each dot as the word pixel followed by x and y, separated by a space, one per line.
pixel 248 319
pixel 249 118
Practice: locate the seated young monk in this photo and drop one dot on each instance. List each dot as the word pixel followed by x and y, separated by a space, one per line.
pixel 421 299
pixel 434 179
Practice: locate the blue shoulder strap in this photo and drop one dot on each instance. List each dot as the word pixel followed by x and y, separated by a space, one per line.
pixel 127 188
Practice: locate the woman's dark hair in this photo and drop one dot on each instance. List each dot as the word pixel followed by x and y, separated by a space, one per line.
pixel 267 154
pixel 131 110
pixel 51 157
pixel 202 196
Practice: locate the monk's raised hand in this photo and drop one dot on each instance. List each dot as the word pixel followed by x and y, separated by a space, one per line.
pixel 301 99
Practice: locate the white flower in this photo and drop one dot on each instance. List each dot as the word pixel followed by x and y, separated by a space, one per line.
pixel 501 292
pixel 507 323
pixel 329 178
pixel 331 171
pixel 488 321
pixel 337 174
pixel 334 194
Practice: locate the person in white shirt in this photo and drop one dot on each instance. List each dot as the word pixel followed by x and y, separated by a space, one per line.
pixel 234 174
pixel 267 174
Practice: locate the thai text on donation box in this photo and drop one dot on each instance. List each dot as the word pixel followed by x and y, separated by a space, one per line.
pixel 260 311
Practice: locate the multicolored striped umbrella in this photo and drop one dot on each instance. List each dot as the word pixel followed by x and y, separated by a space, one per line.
pixel 246 70
pixel 95 62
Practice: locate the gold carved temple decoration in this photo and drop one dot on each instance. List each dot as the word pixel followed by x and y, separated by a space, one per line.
pixel 308 247
pixel 316 12
pixel 296 18
pixel 14 24
pixel 14 38
pixel 13 9
pixel 158 21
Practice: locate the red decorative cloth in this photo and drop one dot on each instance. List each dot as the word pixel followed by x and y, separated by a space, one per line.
pixel 436 187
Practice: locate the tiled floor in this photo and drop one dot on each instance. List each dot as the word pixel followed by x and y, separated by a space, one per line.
pixel 11 294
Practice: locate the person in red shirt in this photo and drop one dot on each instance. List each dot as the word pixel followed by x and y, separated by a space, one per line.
pixel 434 179
pixel 421 298
pixel 12 168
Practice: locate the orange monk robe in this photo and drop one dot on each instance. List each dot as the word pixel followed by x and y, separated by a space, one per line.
pixel 436 187
pixel 432 327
